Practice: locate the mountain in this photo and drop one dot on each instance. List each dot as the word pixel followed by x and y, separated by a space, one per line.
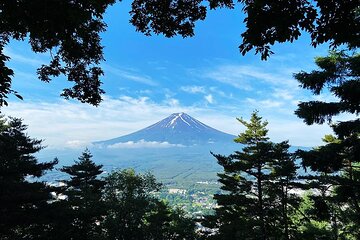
pixel 179 129
pixel 174 166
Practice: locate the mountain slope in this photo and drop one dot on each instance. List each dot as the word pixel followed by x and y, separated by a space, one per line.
pixel 178 128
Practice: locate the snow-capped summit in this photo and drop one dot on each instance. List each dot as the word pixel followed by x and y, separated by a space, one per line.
pixel 178 128
pixel 180 121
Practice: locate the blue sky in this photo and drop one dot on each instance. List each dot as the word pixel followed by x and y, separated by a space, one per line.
pixel 148 78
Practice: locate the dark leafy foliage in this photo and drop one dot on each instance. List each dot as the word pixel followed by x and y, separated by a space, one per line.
pixel 267 22
pixel 135 213
pixel 167 17
pixel 70 31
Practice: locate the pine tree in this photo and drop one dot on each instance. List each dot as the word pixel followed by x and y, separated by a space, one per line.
pixel 254 162
pixel 24 200
pixel 84 192
pixel 255 183
pixel 336 162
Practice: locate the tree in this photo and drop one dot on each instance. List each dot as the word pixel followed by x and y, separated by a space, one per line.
pixel 135 213
pixel 283 180
pixel 84 205
pixel 75 45
pixel 337 161
pixel 310 226
pixel 256 183
pixel 69 30
pixel 166 223
pixel 24 200
pixel 347 218
pixel 266 22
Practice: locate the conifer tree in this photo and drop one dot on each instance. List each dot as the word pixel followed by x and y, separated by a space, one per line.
pixel 283 180
pixel 84 192
pixel 336 162
pixel 256 183
pixel 24 200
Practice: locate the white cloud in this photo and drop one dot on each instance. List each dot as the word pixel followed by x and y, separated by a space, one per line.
pixel 129 75
pixel 325 96
pixel 259 104
pixel 32 60
pixel 65 124
pixel 173 102
pixel 143 144
pixel 227 76
pixel 193 89
pixel 25 75
pixel 146 91
pixel 209 98
pixel 242 76
pixel 280 129
pixel 170 100
pixel 297 132
pixel 76 144
pixel 284 94
pixel 69 124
